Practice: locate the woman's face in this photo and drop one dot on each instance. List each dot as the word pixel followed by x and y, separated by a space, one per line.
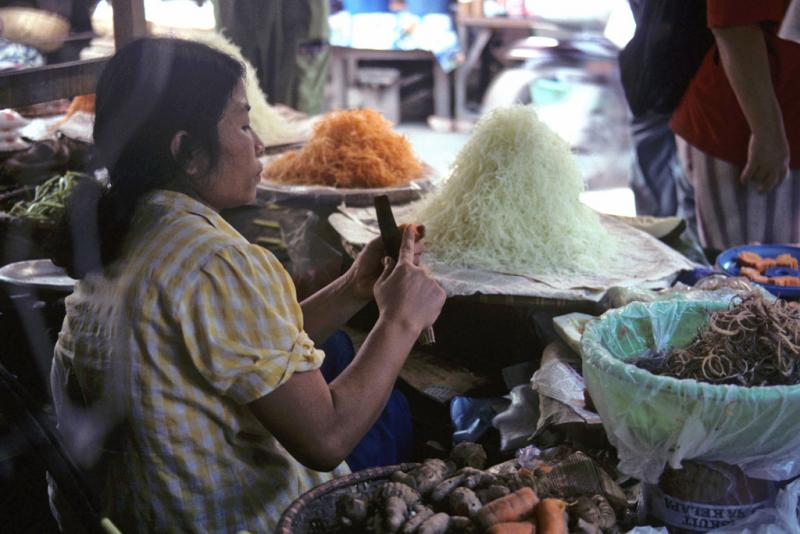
pixel 233 182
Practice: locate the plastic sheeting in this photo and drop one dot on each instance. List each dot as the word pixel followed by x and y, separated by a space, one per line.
pixel 656 420
pixel 648 263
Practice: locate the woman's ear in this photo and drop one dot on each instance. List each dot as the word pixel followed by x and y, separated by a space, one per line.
pixel 189 160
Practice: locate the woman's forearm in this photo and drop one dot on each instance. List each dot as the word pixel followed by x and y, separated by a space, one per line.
pixel 319 424
pixel 744 57
pixel 361 391
pixel 329 308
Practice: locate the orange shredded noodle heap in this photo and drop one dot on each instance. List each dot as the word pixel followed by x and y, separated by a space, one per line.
pixel 349 149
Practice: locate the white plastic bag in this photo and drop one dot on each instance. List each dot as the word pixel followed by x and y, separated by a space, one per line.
pixel 655 421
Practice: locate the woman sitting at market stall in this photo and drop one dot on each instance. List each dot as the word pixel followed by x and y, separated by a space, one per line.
pixel 196 333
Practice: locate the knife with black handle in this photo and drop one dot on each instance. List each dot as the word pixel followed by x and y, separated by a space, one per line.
pixel 392 237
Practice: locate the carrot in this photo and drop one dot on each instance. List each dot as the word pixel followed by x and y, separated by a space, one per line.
pixel 550 517
pixel 512 527
pixel 512 507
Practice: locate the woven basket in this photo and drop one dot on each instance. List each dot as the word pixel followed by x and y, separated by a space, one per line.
pixel 314 512
pixel 34 27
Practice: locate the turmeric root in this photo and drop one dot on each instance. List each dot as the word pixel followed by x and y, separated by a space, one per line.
pixel 512 527
pixel 395 489
pixel 436 524
pixel 463 501
pixel 446 486
pixel 430 473
pixel 521 478
pixel 550 517
pixel 512 507
pixel 460 523
pixel 495 491
pixel 404 478
pixel 474 478
pixel 421 514
pixel 467 454
pixel 468 477
pixel 395 513
pixel 351 510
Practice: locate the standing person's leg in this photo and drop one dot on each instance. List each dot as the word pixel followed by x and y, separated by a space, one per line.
pixel 729 214
pixel 312 60
pixel 256 26
pixel 684 190
pixel 782 224
pixel 656 167
pixel 306 22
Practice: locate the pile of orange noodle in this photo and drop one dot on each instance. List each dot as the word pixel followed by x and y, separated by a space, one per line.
pixel 349 149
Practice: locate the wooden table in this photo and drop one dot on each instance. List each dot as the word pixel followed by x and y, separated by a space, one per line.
pixel 344 69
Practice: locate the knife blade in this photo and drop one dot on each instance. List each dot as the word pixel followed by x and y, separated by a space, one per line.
pixel 392 238
pixel 391 235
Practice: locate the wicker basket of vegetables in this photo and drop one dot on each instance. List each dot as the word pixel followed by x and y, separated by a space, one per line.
pixel 456 495
pixel 316 510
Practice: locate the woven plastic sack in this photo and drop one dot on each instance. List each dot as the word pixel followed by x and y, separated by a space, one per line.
pixel 658 420
pixel 783 519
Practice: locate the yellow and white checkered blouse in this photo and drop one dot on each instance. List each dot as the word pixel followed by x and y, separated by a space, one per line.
pixel 190 325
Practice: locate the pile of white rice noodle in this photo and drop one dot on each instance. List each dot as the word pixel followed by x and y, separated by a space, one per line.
pixel 511 203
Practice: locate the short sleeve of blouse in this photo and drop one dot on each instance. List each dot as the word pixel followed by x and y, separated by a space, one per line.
pixel 726 13
pixel 242 324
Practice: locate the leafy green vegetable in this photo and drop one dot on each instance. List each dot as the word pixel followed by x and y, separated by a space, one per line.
pixel 49 198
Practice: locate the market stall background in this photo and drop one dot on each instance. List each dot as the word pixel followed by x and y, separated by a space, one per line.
pixel 434 75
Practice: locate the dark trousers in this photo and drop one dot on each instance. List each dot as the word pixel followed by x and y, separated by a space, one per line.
pixel 391 439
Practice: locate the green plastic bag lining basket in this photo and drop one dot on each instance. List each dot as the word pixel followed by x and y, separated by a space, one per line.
pixel 655 420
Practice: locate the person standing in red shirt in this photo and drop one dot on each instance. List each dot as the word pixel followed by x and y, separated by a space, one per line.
pixel 738 128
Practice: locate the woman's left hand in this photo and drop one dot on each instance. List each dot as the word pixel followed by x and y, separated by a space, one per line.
pixel 368 266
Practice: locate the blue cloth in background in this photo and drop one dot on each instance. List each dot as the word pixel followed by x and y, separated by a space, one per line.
pixel 391 439
pixel 472 417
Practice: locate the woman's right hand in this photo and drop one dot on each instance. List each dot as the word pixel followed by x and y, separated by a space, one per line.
pixel 405 293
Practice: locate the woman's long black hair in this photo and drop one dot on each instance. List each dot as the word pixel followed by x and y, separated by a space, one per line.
pixel 150 90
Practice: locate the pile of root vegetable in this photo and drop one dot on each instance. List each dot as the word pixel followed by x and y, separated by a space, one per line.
pixel 458 496
pixel 755 343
